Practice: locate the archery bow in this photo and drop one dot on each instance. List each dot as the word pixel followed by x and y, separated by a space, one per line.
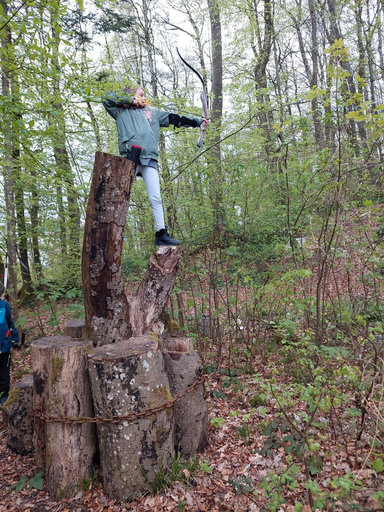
pixel 204 102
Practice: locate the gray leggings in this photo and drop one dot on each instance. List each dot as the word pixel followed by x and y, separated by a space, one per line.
pixel 152 182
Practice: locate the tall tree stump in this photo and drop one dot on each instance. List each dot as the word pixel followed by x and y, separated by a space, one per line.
pixel 128 377
pixel 106 305
pixel 64 451
pixel 17 414
pixel 109 315
pixel 184 368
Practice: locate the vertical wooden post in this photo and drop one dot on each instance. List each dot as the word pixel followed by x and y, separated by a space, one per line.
pixel 62 389
pixel 106 305
pixel 184 368
pixel 109 314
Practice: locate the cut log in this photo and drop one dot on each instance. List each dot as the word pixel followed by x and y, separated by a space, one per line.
pixel 106 305
pixel 75 328
pixel 184 368
pixel 127 377
pixel 148 303
pixel 64 451
pixel 17 413
pixel 109 315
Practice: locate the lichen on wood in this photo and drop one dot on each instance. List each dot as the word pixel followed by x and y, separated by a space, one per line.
pixel 126 377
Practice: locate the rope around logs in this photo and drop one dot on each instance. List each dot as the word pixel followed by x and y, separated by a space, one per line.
pixel 117 419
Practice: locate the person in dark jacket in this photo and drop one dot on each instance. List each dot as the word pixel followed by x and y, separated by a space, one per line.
pixel 8 336
pixel 138 125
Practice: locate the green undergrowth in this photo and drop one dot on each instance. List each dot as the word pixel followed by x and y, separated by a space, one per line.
pixel 178 470
pixel 307 403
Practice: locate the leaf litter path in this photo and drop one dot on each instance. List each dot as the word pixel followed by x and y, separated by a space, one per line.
pixel 231 467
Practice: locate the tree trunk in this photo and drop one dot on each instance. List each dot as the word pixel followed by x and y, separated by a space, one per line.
pixel 75 328
pixel 128 377
pixel 106 305
pixel 319 136
pixel 216 181
pixel 7 165
pixel 108 313
pixel 34 215
pixel 184 368
pixel 64 451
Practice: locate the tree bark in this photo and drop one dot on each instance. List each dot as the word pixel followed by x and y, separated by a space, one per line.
pixel 216 180
pixel 319 136
pixel 64 451
pixel 17 414
pixel 75 328
pixel 109 314
pixel 106 305
pixel 128 377
pixel 184 368
pixel 7 165
pixel 147 304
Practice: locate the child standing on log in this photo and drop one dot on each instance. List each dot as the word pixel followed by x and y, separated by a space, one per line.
pixel 8 336
pixel 138 127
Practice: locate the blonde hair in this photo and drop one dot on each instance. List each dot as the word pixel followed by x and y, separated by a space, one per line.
pixel 132 89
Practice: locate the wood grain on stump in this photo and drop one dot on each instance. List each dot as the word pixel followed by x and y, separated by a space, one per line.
pixel 129 376
pixel 75 328
pixel 148 303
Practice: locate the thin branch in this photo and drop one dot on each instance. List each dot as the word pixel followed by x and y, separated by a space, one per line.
pixel 13 15
pixel 212 146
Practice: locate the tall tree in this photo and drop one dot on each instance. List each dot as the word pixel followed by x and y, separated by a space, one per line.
pixel 216 112
pixel 7 60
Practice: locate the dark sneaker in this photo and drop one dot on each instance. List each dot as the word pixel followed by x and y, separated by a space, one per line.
pixel 162 238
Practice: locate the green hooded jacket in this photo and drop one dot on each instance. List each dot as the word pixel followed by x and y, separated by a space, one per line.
pixel 133 126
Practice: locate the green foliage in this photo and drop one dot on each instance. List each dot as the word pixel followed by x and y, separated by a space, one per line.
pixel 378 465
pixel 179 470
pixel 217 422
pixel 205 467
pixel 93 477
pixel 22 371
pixel 35 482
pixel 20 485
pixel 241 485
pixel 134 266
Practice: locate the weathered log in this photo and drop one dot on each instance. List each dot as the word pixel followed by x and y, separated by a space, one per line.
pixel 108 313
pixel 184 368
pixel 106 305
pixel 17 413
pixel 148 303
pixel 64 451
pixel 75 328
pixel 127 377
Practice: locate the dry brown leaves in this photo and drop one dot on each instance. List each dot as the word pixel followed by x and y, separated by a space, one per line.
pixel 228 457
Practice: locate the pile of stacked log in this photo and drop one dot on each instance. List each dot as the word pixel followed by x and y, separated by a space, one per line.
pixel 116 385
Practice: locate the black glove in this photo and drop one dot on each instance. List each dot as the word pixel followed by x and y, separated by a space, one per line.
pixel 179 121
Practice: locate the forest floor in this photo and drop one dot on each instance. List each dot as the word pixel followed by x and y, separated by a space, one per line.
pixel 231 470
pixel 294 428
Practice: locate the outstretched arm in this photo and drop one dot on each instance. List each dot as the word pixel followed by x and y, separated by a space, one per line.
pixel 179 121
